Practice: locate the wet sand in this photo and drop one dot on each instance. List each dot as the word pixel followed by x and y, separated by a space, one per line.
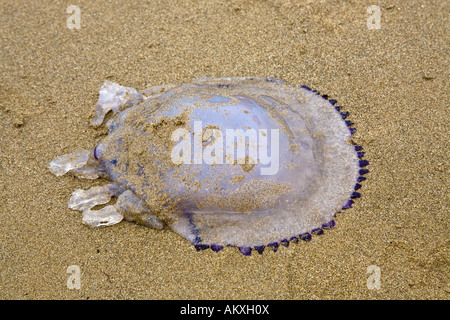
pixel 393 81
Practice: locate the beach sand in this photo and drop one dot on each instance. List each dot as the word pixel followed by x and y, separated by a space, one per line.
pixel 393 81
